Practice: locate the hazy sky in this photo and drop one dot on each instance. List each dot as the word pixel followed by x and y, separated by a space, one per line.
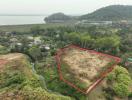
pixel 52 6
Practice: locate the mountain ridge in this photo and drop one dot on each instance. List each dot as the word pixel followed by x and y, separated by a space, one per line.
pixel 110 13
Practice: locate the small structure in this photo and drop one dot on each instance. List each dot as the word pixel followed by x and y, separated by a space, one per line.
pixel 94 22
pixel 8 33
pixel 13 40
pixel 129 62
pixel 37 41
pixel 30 37
pixel 47 47
pixel 19 44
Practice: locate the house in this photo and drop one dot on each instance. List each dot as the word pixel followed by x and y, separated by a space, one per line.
pixel 85 22
pixel 19 44
pixel 14 40
pixel 30 37
pixel 37 40
pixel 45 47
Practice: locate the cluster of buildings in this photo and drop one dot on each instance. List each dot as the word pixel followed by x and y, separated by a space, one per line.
pixel 117 23
pixel 32 41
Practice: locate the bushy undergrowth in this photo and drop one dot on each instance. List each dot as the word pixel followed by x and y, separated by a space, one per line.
pixel 120 81
pixel 21 83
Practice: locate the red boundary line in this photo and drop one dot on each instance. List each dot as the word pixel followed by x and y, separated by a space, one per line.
pixel 102 75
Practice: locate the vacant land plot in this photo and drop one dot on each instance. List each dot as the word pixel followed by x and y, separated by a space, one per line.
pixel 7 58
pixel 83 67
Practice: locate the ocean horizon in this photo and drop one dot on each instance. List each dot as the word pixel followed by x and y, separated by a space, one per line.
pixel 21 19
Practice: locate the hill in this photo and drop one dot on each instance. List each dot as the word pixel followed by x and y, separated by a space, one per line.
pixel 57 17
pixel 19 82
pixel 110 13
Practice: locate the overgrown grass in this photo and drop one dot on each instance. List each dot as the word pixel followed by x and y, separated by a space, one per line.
pixel 56 85
pixel 18 81
pixel 69 76
pixel 27 28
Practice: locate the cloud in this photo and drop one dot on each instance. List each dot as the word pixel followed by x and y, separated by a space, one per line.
pixel 52 6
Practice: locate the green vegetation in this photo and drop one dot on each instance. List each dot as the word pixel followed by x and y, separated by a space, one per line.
pixel 110 13
pixel 114 40
pixel 3 50
pixel 27 28
pixel 18 81
pixel 57 18
pixel 120 81
pixel 55 84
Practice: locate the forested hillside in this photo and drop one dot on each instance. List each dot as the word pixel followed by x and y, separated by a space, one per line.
pixel 110 13
pixel 57 17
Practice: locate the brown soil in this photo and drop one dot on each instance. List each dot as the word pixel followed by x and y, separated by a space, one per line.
pixel 84 65
pixel 10 57
pixel 7 58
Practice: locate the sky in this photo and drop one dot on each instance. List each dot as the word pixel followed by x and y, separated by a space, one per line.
pixel 46 7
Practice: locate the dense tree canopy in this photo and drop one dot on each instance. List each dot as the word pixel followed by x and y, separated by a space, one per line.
pixel 120 81
pixel 34 52
pixel 110 13
pixel 57 17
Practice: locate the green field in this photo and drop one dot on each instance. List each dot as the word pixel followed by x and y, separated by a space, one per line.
pixel 26 28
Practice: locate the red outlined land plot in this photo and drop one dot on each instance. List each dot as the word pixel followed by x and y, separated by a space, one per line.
pixel 83 69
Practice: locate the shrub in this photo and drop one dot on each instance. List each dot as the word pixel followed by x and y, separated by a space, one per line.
pixel 14 78
pixel 120 80
pixel 121 89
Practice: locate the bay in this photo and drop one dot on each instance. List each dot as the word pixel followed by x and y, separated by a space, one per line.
pixel 21 20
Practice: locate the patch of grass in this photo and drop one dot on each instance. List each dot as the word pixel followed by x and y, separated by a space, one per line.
pixel 17 80
pixel 27 28
pixel 56 85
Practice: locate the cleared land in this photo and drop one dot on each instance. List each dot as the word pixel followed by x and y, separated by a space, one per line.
pixel 7 58
pixel 83 67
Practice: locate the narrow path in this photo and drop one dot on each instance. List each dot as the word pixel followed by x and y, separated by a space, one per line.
pixel 94 85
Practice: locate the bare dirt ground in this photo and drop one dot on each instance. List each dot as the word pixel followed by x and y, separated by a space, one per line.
pixel 84 65
pixel 2 62
pixel 7 58
pixel 10 56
